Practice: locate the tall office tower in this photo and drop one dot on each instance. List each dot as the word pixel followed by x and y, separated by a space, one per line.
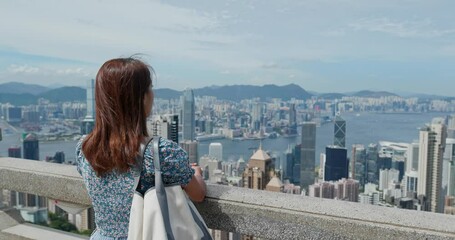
pixel 336 163
pixel 340 132
pixel 188 117
pixel 292 115
pixel 386 177
pixel 412 157
pixel 15 152
pixel 372 158
pixel 89 121
pixel 191 149
pixel 449 167
pixel 256 116
pixel 259 170
pixel 173 134
pixel 308 155
pixel 358 163
pixel 216 151
pixel 166 127
pixel 31 146
pixel 451 127
pixel 431 151
pixel 14 114
pixel 288 164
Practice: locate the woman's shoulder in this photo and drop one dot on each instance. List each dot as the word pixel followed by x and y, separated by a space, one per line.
pixel 79 145
pixel 167 149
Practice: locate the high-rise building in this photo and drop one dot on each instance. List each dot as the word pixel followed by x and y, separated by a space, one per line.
pixel 308 155
pixel 336 163
pixel 412 157
pixel 358 163
pixel 166 127
pixel 388 176
pixel 431 150
pixel 451 127
pixel 216 151
pixel 372 168
pixel 31 146
pixel 340 132
pixel 191 149
pixel 89 121
pixel 292 115
pixel 188 117
pixel 259 170
pixel 14 114
pixel 449 164
pixel 15 152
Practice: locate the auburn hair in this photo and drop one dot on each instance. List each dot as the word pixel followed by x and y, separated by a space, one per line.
pixel 121 121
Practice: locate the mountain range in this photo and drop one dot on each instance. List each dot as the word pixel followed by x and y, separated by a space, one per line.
pixel 25 94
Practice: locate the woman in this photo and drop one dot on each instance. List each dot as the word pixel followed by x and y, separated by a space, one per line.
pixel 107 157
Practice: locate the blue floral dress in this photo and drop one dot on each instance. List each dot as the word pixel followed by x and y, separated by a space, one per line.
pixel 112 194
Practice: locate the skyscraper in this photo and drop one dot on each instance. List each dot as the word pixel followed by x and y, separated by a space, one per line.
pixel 188 118
pixel 259 171
pixel 292 115
pixel 412 157
pixel 308 155
pixel 431 150
pixel 31 146
pixel 358 163
pixel 216 151
pixel 191 149
pixel 89 122
pixel 449 160
pixel 336 163
pixel 166 127
pixel 386 177
pixel 340 132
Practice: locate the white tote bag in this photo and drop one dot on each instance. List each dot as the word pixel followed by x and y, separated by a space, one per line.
pixel 164 212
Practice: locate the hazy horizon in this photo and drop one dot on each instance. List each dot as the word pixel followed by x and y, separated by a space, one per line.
pixel 343 46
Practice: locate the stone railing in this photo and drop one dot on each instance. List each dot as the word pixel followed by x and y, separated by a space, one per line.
pixel 257 213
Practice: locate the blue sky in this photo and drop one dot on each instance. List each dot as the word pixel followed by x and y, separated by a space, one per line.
pixel 324 46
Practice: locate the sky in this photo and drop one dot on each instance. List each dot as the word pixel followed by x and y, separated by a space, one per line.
pixel 404 46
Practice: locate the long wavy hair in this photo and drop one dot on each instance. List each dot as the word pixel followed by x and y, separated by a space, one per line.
pixel 121 120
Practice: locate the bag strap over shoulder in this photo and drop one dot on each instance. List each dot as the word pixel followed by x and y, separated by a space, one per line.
pixel 140 159
pixel 160 190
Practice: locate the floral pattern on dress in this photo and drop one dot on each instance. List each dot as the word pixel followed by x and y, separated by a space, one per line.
pixel 112 194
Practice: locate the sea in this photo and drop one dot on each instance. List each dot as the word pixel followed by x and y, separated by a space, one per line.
pixel 361 128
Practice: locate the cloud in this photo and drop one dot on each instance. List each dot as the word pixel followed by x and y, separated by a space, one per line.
pixel 270 65
pixel 18 69
pixel 407 28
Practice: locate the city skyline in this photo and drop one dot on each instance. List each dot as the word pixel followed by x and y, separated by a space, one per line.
pixel 324 46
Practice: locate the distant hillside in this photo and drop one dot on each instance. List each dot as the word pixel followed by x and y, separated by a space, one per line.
pixel 331 96
pixel 167 93
pixel 18 99
pixel 373 94
pixel 19 88
pixel 239 92
pixel 65 94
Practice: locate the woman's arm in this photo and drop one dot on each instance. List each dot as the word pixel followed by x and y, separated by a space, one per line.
pixel 196 188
